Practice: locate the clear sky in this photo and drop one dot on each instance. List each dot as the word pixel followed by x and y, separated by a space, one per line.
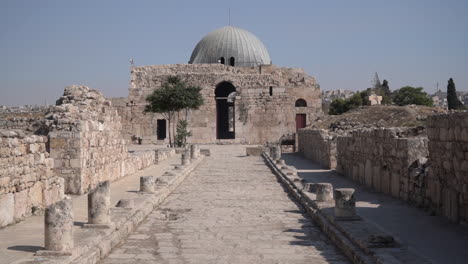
pixel 47 45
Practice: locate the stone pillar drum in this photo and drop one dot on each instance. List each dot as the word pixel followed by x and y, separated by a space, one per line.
pixel 185 159
pixel 193 151
pixel 147 184
pixel 99 206
pixel 188 153
pixel 345 204
pixel 324 192
pixel 276 152
pixel 58 227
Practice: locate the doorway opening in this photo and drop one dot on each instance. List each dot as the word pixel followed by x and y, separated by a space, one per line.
pixel 161 129
pixel 225 110
pixel 300 121
pixel 232 61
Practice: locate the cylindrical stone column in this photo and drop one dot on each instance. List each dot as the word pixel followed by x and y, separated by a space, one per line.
pixel 324 192
pixel 276 152
pixel 99 204
pixel 58 226
pixel 147 184
pixel 185 159
pixel 345 204
pixel 188 153
pixel 193 151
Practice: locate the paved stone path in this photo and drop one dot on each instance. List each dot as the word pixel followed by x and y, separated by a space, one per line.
pixel 230 210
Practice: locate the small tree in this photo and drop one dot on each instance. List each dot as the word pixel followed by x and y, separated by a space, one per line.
pixel 376 82
pixel 173 97
pixel 338 106
pixel 410 95
pixel 386 93
pixel 452 98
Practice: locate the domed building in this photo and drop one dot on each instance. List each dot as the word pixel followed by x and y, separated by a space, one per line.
pixel 232 46
pixel 247 98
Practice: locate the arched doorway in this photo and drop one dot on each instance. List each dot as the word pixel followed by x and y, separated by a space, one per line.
pixel 225 120
pixel 301 119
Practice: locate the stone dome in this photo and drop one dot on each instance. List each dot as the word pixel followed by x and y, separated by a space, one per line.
pixel 231 46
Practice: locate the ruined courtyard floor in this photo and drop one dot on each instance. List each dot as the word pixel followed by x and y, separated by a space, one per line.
pixel 230 209
pixel 432 237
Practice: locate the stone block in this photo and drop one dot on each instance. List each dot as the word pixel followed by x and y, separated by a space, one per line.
pixel 21 205
pixel 7 209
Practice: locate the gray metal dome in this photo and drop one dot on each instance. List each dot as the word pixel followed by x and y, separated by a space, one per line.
pixel 232 46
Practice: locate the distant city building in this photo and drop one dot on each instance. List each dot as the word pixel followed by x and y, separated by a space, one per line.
pixel 440 98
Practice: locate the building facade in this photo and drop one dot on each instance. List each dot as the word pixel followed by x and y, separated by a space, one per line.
pixel 246 98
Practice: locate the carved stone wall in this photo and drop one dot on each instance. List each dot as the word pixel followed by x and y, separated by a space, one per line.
pixel 260 116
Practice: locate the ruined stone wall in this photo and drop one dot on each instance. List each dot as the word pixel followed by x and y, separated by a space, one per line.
pixel 318 146
pixel 27 181
pixel 86 141
pixel 447 181
pixel 380 159
pixel 259 116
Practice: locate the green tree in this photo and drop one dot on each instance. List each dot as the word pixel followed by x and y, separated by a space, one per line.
pixel 411 95
pixel 338 106
pixel 452 98
pixel 386 93
pixel 182 133
pixel 173 97
pixel 376 82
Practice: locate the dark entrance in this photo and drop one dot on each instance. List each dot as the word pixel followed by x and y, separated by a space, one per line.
pixel 225 120
pixel 161 129
pixel 300 121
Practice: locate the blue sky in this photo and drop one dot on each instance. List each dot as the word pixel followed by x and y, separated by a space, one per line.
pixel 47 45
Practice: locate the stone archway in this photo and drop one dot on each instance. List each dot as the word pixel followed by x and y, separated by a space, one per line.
pixel 225 120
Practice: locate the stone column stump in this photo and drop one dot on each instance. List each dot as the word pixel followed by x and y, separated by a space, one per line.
pixel 276 153
pixel 58 229
pixel 99 206
pixel 147 184
pixel 324 192
pixel 185 159
pixel 194 151
pixel 345 204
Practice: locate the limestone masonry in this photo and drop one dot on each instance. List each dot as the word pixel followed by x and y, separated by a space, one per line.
pixel 264 104
pixel 431 172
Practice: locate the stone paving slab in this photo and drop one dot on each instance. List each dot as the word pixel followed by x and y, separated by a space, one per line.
pixel 22 240
pixel 432 237
pixel 230 210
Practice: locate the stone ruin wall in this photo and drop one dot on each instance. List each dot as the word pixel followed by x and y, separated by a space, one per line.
pixel 259 116
pixel 447 180
pixel 429 172
pixel 381 159
pixel 86 141
pixel 27 181
pixel 318 146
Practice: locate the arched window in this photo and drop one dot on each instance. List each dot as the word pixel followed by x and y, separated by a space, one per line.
pixel 221 60
pixel 231 61
pixel 301 103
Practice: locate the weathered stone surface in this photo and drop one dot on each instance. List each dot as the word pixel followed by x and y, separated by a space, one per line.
pixel 324 192
pixel 345 203
pixel 318 146
pixel 125 203
pixel 59 226
pixel 99 204
pixel 148 184
pixel 7 209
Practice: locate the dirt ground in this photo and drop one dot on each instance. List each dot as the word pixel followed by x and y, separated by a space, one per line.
pixel 377 116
